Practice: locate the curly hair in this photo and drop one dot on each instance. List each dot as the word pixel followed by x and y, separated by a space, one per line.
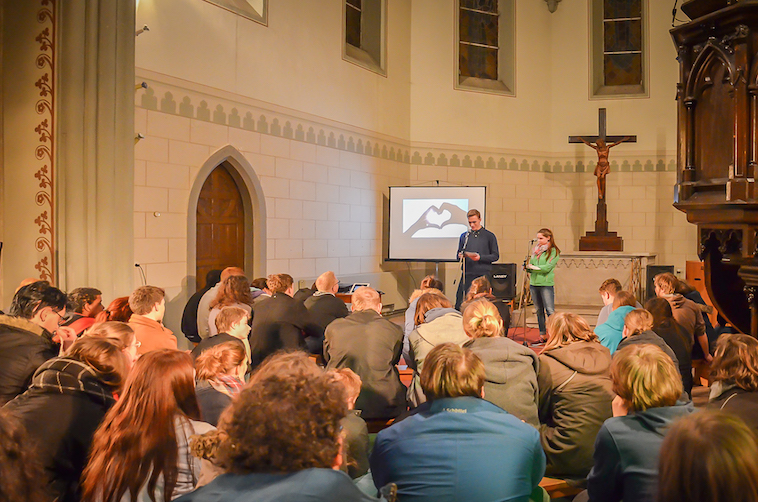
pixel 279 283
pixel 736 361
pixel 235 289
pixel 79 297
pixel 22 475
pixel 284 423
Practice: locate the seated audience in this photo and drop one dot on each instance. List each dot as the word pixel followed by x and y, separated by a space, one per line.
pixel 219 373
pixel 22 476
pixel 232 326
pixel 260 289
pixel 204 305
pixel 303 294
pixel 686 312
pixel 355 445
pixel 83 305
pixel 279 322
pixel 436 322
pixel 292 451
pixel 687 291
pixel 427 283
pixel 323 308
pixel 510 368
pixel 665 326
pixel 119 310
pixel 647 386
pixel 463 447
pixel 610 332
pixel 121 332
pixel 149 306
pixel 638 325
pixel 141 452
pixel 189 316
pixel 608 291
pixel 709 457
pixel 735 375
pixel 67 400
pixel 30 335
pixel 234 292
pixel 370 345
pixel 481 288
pixel 575 395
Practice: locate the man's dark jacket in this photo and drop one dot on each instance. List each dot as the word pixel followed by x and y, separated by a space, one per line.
pixel 24 346
pixel 371 346
pixel 324 308
pixel 279 323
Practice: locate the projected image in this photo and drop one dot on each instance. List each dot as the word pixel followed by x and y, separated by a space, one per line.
pixel 434 218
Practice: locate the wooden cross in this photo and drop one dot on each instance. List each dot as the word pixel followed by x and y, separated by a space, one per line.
pixel 601 239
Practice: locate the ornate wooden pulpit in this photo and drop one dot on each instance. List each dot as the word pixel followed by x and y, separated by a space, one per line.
pixel 717 116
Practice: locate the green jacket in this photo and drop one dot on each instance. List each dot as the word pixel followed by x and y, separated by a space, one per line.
pixel 545 276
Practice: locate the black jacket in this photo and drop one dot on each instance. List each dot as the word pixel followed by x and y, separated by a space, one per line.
pixel 323 309
pixel 278 323
pixel 61 411
pixel 24 346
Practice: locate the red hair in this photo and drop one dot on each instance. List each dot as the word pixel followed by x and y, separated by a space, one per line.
pixel 136 443
pixel 119 310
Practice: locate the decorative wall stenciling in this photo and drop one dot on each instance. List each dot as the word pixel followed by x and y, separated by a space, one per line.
pixel 44 152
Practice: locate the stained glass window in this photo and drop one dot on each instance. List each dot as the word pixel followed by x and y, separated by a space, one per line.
pixel 478 29
pixel 622 42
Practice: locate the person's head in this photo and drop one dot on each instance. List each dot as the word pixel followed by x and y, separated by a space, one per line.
pixel 352 383
pixel 280 283
pixel 366 298
pixel 479 287
pixel 284 423
pixel 644 377
pixel 452 371
pixel 285 363
pixel 235 289
pixel 229 272
pixel 136 442
pixel 233 321
pixel 106 356
pixel 474 219
pixel 431 282
pixel 260 283
pixel 545 238
pixel 226 358
pixel 481 319
pixel 148 301
pixel 86 301
pixel 119 309
pixel 212 278
pixel 40 303
pixel 608 290
pixel 600 142
pixel 428 301
pixel 22 475
pixel 120 331
pixel 327 282
pixel 735 361
pixel 624 299
pixel 665 284
pixel 637 321
pixel 709 456
pixel 565 328
pixel 660 309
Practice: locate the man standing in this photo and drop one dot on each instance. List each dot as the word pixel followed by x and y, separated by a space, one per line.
pixel 149 306
pixel 478 250
pixel 370 345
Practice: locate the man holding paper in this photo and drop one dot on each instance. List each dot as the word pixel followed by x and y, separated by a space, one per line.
pixel 477 250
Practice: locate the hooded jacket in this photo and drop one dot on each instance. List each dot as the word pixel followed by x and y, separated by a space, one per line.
pixel 610 332
pixel 511 376
pixel 61 411
pixel 575 400
pixel 24 346
pixel 441 325
pixel 737 401
pixel 650 338
pixel 626 454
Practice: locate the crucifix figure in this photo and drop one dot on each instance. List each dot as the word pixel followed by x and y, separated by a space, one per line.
pixel 601 239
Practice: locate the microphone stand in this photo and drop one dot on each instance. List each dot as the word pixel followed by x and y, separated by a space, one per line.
pixel 525 297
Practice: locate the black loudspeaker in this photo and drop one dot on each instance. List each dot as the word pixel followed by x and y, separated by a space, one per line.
pixel 503 280
pixel 652 271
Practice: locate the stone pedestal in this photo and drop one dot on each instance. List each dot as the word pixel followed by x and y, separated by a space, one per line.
pixel 579 275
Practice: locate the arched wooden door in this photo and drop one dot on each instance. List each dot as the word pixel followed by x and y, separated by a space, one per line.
pixel 220 224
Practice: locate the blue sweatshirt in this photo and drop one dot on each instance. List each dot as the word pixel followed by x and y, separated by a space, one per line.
pixel 481 241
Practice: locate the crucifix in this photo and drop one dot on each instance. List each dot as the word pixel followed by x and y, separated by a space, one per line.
pixel 601 239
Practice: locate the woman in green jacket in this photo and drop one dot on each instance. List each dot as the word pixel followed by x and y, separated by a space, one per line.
pixel 541 267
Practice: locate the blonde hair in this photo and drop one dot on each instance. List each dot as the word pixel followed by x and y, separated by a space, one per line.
pixel 351 381
pixel 112 329
pixel 143 299
pixel 228 317
pixel 431 299
pixel 479 286
pixel 637 321
pixel 452 371
pixel 481 319
pixel 666 282
pixel 565 328
pixel 645 377
pixel 366 298
pixel 736 361
pixel 220 359
pixel 285 363
pixel 624 299
pixel 326 281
